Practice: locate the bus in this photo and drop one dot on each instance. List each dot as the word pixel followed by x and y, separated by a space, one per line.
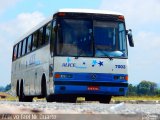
pixel 74 53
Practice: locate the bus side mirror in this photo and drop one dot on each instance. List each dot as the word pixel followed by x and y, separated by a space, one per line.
pixel 130 38
pixel 55 28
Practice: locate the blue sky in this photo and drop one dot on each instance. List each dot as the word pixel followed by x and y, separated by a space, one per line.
pixel 142 16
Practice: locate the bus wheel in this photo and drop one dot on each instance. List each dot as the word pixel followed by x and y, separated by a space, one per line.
pixel 28 99
pixel 43 87
pixel 69 99
pixel 17 88
pixel 66 98
pixel 50 98
pixel 22 97
pixel 105 99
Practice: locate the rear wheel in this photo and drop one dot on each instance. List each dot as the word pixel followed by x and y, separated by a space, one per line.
pixel 22 97
pixel 43 87
pixel 17 88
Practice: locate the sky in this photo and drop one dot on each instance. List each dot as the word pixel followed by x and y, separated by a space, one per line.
pixel 142 16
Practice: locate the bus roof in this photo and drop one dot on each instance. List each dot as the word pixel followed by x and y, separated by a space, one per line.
pixel 90 11
pixel 66 10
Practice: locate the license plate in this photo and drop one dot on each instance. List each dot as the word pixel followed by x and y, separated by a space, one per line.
pixel 93 88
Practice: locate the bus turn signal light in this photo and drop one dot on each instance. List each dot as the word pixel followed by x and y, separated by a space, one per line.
pixel 57 76
pixel 126 77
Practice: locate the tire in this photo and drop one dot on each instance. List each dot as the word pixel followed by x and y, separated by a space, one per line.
pixel 22 97
pixel 61 98
pixel 66 98
pixel 17 88
pixel 105 99
pixel 50 98
pixel 43 87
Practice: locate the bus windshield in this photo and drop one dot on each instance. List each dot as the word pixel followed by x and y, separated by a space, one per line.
pixel 88 38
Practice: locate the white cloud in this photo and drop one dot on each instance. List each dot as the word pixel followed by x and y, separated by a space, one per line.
pixel 139 11
pixel 144 18
pixel 23 23
pixel 9 32
pixel 4 4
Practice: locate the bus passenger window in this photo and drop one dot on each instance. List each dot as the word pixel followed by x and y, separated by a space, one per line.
pixel 53 36
pixel 47 32
pixel 29 45
pixel 41 41
pixel 19 49
pixel 15 52
pixel 35 40
pixel 24 47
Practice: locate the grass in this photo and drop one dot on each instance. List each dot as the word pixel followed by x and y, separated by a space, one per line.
pixel 7 97
pixel 127 98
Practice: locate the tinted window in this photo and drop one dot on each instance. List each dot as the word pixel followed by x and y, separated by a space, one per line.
pixel 53 35
pixel 29 45
pixel 24 47
pixel 19 49
pixel 15 52
pixel 75 38
pixel 109 39
pixel 40 42
pixel 47 32
pixel 35 40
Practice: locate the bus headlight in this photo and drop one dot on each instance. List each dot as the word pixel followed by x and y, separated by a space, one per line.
pixel 63 75
pixel 121 77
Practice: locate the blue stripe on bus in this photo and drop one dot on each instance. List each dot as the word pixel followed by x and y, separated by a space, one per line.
pixel 78 83
pixel 89 76
pixel 83 90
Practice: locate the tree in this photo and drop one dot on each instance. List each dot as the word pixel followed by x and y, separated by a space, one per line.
pixel 132 90
pixel 146 88
pixel 8 87
pixel 2 89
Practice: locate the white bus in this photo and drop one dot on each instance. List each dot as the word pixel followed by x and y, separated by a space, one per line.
pixel 74 53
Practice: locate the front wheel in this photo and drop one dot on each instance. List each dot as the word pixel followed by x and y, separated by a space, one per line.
pixel 105 99
pixel 61 98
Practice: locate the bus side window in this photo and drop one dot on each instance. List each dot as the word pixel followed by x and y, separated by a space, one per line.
pixel 14 53
pixel 41 40
pixel 29 44
pixel 47 32
pixel 19 49
pixel 53 36
pixel 35 40
pixel 24 47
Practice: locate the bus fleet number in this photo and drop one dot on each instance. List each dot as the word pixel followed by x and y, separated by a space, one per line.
pixel 121 66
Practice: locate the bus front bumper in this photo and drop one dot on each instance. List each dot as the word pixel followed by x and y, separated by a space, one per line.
pixel 102 88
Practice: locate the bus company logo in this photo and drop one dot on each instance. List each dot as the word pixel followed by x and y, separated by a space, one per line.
pixel 93 76
pixel 68 63
pixel 94 63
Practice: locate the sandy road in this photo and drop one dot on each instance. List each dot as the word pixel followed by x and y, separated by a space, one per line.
pixel 79 110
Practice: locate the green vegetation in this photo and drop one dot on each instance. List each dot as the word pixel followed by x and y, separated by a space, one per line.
pixel 144 88
pixel 6 88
